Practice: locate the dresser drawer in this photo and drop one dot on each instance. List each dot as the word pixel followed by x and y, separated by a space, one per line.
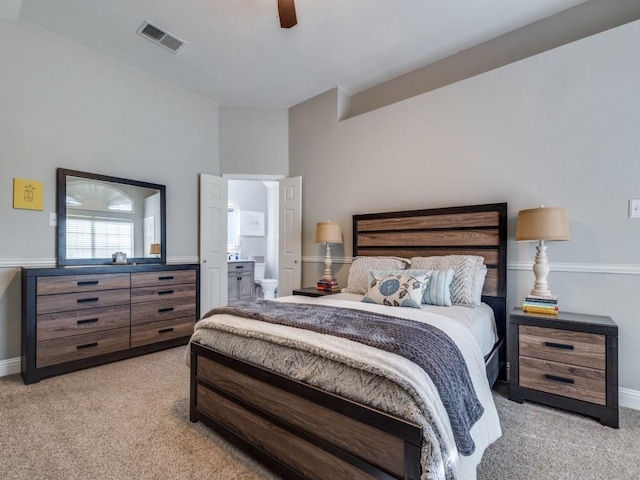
pixel 586 384
pixel 169 277
pixel 163 310
pixel 80 283
pixel 160 331
pixel 77 347
pixel 575 348
pixel 78 322
pixel 164 293
pixel 78 301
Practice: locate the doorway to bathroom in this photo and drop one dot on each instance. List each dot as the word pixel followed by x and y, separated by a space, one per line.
pixel 252 228
pixel 285 228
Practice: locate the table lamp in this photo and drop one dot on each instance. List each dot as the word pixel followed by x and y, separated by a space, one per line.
pixel 542 224
pixel 155 249
pixel 328 233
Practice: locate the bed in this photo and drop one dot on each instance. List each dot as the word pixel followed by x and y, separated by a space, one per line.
pixel 323 411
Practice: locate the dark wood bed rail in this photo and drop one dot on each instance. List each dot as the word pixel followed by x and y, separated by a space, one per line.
pixel 349 440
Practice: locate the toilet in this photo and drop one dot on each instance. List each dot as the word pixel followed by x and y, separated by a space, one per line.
pixel 268 285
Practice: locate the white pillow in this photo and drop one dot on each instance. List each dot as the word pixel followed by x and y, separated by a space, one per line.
pixel 464 283
pixel 396 290
pixel 359 270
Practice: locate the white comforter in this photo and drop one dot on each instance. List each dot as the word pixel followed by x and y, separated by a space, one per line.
pixel 484 432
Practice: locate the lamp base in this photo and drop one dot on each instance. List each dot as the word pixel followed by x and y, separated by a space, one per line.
pixel 326 275
pixel 541 270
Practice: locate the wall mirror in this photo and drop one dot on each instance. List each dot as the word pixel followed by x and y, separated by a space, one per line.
pixel 99 215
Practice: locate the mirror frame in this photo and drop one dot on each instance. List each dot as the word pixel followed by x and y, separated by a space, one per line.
pixel 63 173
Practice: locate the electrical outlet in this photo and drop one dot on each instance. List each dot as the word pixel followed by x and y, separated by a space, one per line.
pixel 53 219
pixel 634 208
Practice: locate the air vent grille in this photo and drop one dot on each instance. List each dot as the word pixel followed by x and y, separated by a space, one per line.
pixel 160 37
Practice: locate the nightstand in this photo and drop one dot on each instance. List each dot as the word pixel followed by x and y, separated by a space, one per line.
pixel 569 361
pixel 312 292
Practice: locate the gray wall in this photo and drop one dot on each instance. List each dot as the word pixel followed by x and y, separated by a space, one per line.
pixel 254 140
pixel 61 105
pixel 561 128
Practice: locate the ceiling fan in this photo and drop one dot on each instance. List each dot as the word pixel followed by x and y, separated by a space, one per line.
pixel 287 13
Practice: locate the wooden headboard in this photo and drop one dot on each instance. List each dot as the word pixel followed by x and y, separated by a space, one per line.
pixel 469 230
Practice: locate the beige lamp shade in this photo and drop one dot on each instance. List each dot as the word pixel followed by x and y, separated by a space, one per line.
pixel 328 232
pixel 155 249
pixel 543 223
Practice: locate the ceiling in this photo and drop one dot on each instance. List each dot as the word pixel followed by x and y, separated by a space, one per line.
pixel 237 54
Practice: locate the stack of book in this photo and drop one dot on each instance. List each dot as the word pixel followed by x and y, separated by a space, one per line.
pixel 536 304
pixel 328 285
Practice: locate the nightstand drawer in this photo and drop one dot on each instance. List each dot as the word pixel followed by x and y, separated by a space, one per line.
pixel 575 348
pixel 586 384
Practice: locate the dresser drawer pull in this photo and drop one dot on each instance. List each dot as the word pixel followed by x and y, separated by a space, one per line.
pixel 164 310
pixel 555 378
pixel 239 266
pixel 87 345
pixel 165 330
pixel 165 292
pixel 88 320
pixel 563 346
pixel 87 300
pixel 88 282
pixel 166 278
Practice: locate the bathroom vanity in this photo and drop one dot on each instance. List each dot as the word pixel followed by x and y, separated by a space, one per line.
pixel 241 281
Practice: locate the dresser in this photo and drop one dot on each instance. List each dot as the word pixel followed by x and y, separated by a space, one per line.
pixel 241 283
pixel 569 361
pixel 78 317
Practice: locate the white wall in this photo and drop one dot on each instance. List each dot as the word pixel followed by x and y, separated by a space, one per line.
pixel 62 105
pixel 561 128
pixel 254 140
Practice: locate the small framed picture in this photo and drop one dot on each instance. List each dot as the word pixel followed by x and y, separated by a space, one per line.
pixel 251 223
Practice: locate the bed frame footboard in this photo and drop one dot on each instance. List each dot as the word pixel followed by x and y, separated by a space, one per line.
pixel 299 431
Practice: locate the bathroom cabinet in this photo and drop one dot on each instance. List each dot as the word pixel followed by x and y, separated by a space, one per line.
pixel 241 281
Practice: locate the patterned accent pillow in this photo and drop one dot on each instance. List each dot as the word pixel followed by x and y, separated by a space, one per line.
pixel 438 291
pixel 463 285
pixel 359 270
pixel 397 290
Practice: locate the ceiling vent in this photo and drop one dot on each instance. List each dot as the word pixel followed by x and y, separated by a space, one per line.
pixel 160 37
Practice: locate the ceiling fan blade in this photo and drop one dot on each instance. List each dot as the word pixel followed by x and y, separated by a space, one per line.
pixel 287 13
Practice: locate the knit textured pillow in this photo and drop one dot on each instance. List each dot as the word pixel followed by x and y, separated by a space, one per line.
pixel 359 270
pixel 463 285
pixel 396 290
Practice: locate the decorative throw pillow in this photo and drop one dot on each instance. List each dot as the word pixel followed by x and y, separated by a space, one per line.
pixel 438 291
pixel 359 270
pixel 463 285
pixel 398 290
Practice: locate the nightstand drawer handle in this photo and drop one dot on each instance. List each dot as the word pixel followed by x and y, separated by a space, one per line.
pixel 558 345
pixel 86 300
pixel 559 379
pixel 88 320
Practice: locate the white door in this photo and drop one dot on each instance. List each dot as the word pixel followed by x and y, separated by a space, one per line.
pixel 213 242
pixel 290 268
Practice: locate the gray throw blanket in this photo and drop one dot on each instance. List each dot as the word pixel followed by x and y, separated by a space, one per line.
pixel 423 344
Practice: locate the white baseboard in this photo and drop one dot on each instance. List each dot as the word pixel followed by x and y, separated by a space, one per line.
pixel 629 398
pixel 9 366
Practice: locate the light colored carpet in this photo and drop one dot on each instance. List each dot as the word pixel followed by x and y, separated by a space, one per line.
pixel 130 420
